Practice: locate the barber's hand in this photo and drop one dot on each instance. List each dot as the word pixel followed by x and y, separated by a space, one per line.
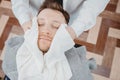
pixel 71 32
pixel 27 25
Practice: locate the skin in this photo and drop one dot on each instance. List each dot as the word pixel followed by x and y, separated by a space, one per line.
pixel 48 22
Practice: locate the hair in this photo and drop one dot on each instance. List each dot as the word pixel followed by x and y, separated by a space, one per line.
pixel 55 5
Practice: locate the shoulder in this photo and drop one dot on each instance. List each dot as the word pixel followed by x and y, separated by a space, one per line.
pixel 78 63
pixel 76 56
pixel 11 47
pixel 81 51
pixel 14 41
pixel 79 54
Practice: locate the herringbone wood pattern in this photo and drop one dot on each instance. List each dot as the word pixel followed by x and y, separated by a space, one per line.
pixel 102 41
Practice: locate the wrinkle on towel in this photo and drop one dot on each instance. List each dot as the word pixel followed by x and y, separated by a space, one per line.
pixel 33 65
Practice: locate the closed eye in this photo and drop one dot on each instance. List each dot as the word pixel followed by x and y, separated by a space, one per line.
pixel 40 24
pixel 55 25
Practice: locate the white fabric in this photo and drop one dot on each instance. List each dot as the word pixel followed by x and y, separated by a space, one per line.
pixel 83 13
pixel 33 65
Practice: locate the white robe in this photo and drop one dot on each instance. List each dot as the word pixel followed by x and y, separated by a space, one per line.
pixel 33 65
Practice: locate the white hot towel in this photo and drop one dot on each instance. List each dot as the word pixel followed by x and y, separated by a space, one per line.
pixel 33 65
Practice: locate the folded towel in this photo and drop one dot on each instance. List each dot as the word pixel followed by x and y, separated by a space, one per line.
pixel 33 65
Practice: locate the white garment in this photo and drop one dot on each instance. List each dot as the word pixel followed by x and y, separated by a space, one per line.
pixel 32 65
pixel 83 13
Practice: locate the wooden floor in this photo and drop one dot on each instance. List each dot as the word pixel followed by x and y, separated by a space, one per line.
pixel 102 41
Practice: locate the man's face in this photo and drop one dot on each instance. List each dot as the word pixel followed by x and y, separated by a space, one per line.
pixel 48 22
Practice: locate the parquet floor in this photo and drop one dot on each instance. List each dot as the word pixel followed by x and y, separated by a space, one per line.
pixel 102 41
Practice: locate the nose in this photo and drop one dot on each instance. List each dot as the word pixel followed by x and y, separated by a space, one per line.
pixel 46 30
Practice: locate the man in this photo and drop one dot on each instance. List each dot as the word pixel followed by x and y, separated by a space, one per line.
pixel 49 21
pixel 41 55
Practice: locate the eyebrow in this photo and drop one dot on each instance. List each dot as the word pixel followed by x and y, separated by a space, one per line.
pixel 40 19
pixel 44 19
pixel 56 21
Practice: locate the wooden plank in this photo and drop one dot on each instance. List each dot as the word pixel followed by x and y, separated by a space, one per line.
pixel 5 35
pixel 94 31
pixel 6 4
pixel 109 52
pixel 114 33
pixel 115 70
pixel 102 38
pixel 2 54
pixel 99 77
pixel 97 57
pixel 111 7
pixel 4 19
pixel 102 71
pixel 6 8
pixel 118 7
pixel 111 16
pixel 90 47
pixel 118 42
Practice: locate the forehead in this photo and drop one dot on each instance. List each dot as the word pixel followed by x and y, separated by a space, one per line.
pixel 50 13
